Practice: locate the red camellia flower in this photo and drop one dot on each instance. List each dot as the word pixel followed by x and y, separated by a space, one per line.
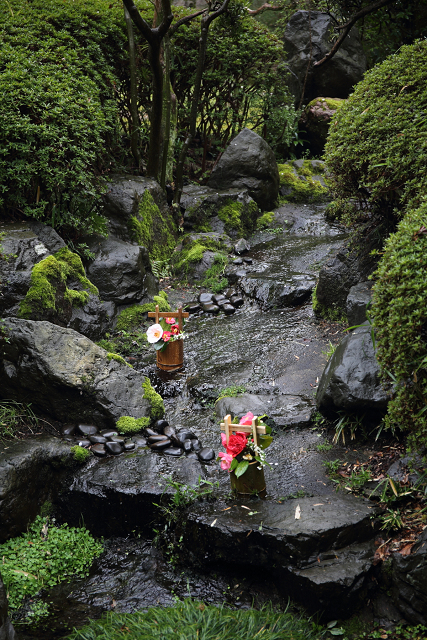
pixel 175 329
pixel 236 444
pixel 166 336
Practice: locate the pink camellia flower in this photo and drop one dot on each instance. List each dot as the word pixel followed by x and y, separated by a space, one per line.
pixel 247 419
pixel 170 320
pixel 175 329
pixel 166 336
pixel 226 460
pixel 154 333
pixel 224 439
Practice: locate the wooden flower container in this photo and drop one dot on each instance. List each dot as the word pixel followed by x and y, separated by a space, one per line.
pixel 172 358
pixel 252 481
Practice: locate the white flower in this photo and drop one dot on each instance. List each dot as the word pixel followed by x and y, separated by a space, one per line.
pixel 154 333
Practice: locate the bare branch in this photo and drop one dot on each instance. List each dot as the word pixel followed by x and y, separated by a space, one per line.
pixel 347 27
pixel 265 7
pixel 139 21
pixel 184 20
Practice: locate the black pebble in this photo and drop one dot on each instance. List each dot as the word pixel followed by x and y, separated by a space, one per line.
pixel 118 439
pixel 173 451
pixel 169 431
pixel 238 261
pixel 140 441
pixel 113 447
pixel 222 302
pixel 248 260
pixel 108 433
pixel 230 293
pixel 129 446
pixel 237 301
pixel 228 309
pixel 187 445
pixel 96 439
pixel 210 308
pixel 192 307
pixel 150 432
pixel 99 450
pixel 158 438
pixel 68 429
pixel 196 445
pixel 159 425
pixel 185 434
pixel 84 443
pixel 158 446
pixel 205 297
pixel 87 429
pixel 205 455
pixel 240 273
pixel 218 297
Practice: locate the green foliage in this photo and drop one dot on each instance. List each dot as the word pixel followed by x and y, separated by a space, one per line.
pixel 333 314
pixel 132 317
pixel 80 454
pixel 48 288
pixel 214 279
pixel 300 185
pixel 265 220
pixel 126 424
pixel 332 467
pixel 59 67
pixel 400 315
pixel 157 404
pixel 194 620
pixel 192 252
pixel 153 229
pixel 376 150
pixel 118 358
pixel 43 557
pixel 325 446
pixel 14 416
pixel 230 214
pixel 232 392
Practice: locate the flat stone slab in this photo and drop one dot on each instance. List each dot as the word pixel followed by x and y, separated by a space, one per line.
pixel 118 495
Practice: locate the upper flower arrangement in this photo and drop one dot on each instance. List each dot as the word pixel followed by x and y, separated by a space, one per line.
pixel 167 330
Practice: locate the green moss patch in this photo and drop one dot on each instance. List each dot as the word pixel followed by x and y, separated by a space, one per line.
pixel 265 221
pixel 80 454
pixel 157 404
pixel 118 358
pixel 49 291
pixel 126 424
pixel 192 252
pixel 299 183
pixel 135 315
pixel 153 229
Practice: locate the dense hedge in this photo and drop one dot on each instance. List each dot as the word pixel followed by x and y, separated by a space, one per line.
pixel 377 144
pixel 400 316
pixel 59 68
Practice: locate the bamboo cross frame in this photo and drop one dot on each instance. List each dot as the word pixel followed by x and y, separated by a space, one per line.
pixel 179 313
pixel 229 427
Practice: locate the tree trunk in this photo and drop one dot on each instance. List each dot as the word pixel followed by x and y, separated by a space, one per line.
pixel 134 125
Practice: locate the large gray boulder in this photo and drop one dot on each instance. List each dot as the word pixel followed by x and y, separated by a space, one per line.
pixel 313 32
pixel 351 379
pixel 248 163
pixel 121 271
pixel 6 630
pixel 67 376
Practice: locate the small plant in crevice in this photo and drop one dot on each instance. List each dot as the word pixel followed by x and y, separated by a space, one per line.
pixel 325 446
pixel 169 535
pixel 350 422
pixel 15 416
pixel 232 392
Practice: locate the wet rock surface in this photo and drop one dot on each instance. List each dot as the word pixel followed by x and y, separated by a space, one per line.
pixel 351 380
pixel 409 591
pixel 6 630
pixel 357 303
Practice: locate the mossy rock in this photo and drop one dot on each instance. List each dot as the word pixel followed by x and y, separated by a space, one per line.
pixel 375 151
pixel 127 424
pixel 231 211
pixel 301 181
pixel 133 316
pixel 137 211
pixel 156 400
pixel 315 122
pixel 49 297
pixel 202 259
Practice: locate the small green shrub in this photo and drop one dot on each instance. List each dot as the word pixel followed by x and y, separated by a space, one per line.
pixel 399 313
pixel 197 621
pixel 80 454
pixel 126 424
pixel 157 404
pixel 43 557
pixel 376 149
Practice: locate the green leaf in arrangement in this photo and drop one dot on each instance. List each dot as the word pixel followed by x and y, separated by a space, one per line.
pixel 159 345
pixel 241 468
pixel 265 441
pixel 233 464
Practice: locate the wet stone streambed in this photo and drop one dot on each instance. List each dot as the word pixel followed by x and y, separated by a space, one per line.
pixel 241 551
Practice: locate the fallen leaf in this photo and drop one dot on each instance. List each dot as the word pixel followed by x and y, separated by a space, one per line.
pixel 227 509
pixel 243 507
pixel 297 512
pixel 214 522
pixel 406 550
pixel 319 504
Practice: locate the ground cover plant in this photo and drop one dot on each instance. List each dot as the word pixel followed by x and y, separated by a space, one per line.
pixel 192 620
pixel 15 416
pixel 44 556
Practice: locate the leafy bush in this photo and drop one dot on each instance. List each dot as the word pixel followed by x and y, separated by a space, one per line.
pixel 59 67
pixel 400 316
pixel 377 144
pixel 43 557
